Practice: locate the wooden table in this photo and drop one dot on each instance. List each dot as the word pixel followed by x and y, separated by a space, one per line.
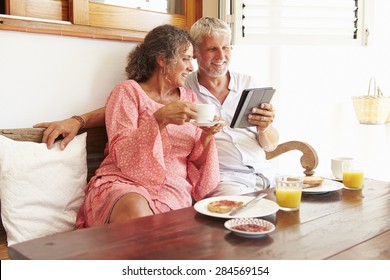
pixel 342 224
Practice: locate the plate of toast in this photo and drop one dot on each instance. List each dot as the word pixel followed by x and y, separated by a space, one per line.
pixel 221 206
pixel 320 185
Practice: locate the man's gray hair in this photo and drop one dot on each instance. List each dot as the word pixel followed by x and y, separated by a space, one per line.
pixel 208 26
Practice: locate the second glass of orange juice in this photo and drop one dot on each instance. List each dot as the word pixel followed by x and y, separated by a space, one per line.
pixel 353 175
pixel 288 192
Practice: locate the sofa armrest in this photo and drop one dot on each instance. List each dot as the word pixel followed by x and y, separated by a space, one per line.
pixel 23 134
pixel 309 158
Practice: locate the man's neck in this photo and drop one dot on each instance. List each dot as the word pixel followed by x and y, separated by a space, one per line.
pixel 218 86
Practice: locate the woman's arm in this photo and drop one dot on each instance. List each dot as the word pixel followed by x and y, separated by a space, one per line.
pixel 205 139
pixel 203 165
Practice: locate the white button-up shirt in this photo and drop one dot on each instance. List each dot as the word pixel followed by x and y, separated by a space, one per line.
pixel 240 155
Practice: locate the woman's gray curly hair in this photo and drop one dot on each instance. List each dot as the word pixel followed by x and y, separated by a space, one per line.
pixel 165 40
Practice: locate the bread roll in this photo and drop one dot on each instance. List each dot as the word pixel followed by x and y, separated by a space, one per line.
pixel 223 206
pixel 312 181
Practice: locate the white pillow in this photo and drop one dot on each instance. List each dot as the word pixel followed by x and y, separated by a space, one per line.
pixel 41 190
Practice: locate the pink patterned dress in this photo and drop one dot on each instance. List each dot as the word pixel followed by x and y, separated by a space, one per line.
pixel 141 159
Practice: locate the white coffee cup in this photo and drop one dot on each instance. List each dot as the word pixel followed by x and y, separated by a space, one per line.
pixel 205 113
pixel 337 166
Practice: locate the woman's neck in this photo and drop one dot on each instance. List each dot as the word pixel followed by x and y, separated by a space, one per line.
pixel 160 90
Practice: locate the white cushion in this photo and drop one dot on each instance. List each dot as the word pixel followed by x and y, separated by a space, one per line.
pixel 41 190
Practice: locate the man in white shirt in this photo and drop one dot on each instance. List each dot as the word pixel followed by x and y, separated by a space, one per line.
pixel 241 151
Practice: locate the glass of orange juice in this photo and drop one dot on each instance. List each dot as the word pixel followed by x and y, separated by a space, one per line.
pixel 353 175
pixel 288 192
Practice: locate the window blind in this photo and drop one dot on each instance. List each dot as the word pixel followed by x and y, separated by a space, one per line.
pixel 293 21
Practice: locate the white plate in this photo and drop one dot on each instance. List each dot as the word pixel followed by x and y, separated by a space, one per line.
pixel 327 186
pixel 268 227
pixel 336 179
pixel 261 208
pixel 206 123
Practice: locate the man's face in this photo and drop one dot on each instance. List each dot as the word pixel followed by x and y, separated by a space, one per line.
pixel 213 55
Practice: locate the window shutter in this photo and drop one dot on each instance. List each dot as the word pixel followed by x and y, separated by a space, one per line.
pixel 295 21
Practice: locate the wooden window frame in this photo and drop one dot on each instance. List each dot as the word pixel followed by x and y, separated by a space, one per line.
pixel 81 18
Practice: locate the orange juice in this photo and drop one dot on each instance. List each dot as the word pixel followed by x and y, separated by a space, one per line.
pixel 288 197
pixel 353 179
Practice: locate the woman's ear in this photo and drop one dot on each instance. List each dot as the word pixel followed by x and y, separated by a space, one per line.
pixel 161 60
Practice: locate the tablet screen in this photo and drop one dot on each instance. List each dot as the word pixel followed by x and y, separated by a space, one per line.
pixel 250 98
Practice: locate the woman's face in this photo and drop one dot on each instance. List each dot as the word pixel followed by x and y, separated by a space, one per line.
pixel 179 70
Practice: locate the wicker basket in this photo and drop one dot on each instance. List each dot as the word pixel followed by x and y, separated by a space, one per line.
pixel 372 109
pixel 388 116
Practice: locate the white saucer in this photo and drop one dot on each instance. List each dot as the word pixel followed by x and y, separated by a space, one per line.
pixel 353 189
pixel 206 123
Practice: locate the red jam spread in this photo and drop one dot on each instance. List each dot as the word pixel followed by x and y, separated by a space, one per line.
pixel 250 228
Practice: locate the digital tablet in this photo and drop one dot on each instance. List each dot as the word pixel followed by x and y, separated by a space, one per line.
pixel 250 98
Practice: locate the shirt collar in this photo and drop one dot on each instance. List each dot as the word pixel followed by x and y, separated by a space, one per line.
pixel 232 83
pixel 202 90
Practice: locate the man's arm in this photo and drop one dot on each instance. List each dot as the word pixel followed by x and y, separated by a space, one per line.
pixel 268 139
pixel 263 117
pixel 69 128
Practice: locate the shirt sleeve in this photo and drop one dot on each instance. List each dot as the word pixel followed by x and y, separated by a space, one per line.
pixel 134 139
pixel 207 177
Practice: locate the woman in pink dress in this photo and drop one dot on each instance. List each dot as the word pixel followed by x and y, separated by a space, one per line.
pixel 156 160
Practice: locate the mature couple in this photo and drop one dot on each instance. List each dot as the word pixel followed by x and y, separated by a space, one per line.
pixel 157 160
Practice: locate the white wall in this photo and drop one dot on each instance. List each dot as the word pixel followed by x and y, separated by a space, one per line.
pixel 46 77
pixel 314 89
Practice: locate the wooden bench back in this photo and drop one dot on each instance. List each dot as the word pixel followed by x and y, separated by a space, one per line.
pixel 96 142
pixel 97 139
